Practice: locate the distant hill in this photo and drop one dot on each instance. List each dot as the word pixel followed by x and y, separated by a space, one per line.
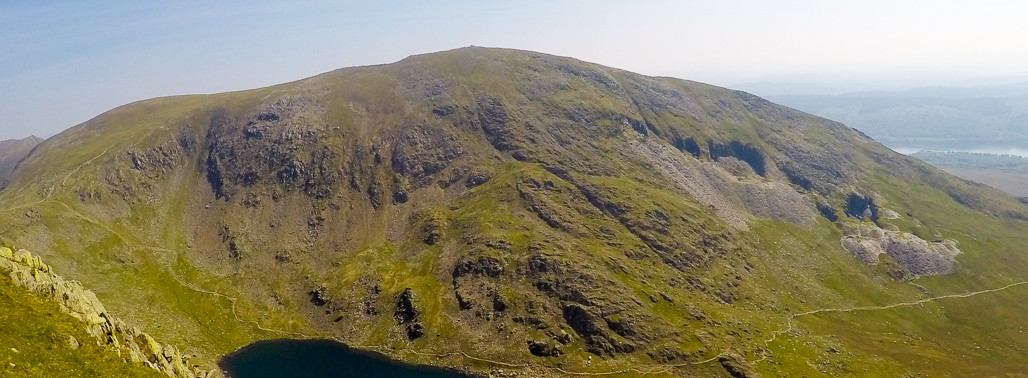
pixel 936 118
pixel 11 152
pixel 1005 172
pixel 493 209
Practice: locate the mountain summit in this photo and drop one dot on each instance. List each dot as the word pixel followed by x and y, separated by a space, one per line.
pixel 498 209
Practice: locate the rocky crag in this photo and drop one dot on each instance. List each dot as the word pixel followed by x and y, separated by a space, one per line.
pixel 32 274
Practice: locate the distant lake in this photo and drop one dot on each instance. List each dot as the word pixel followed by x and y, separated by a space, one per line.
pixel 318 359
pixel 1022 152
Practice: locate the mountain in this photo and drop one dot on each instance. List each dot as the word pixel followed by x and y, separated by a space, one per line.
pixel 11 152
pixel 1005 172
pixel 933 118
pixel 495 209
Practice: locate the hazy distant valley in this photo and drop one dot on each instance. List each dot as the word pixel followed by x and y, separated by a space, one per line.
pixel 985 128
pixel 976 119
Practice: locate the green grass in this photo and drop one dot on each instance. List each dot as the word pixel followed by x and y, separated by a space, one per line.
pixel 34 341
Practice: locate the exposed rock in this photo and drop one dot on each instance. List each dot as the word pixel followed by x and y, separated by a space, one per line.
pixel 501 245
pixel 444 110
pixel 371 299
pixel 485 265
pixel 737 366
pixel 499 304
pixel 597 341
pixel 432 229
pixel 319 296
pixel 909 251
pixel 476 179
pixel 775 200
pixel 73 343
pixel 543 349
pixel 277 143
pixel 796 177
pixel 400 196
pixel 733 200
pixel 424 151
pixel 687 145
pixel 405 310
pixel 827 211
pixel 375 194
pixel 407 314
pixel 542 206
pixel 561 337
pixel 415 330
pixel 861 207
pixel 747 153
pixel 495 123
pixel 31 273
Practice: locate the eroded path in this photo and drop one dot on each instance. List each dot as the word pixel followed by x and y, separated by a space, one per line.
pixel 791 317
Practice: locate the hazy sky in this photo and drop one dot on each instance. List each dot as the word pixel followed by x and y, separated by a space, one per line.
pixel 63 62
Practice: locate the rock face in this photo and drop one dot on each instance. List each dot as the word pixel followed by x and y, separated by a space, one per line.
pixel 408 315
pixel 917 255
pixel 31 273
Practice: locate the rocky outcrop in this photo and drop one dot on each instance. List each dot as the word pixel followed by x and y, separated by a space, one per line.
pixel 861 207
pixel 30 273
pixel 408 315
pixel 917 255
pixel 737 366
pixel 747 153
pixel 280 144
pixel 544 349
pixel 424 151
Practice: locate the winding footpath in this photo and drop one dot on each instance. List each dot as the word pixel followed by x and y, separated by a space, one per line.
pixel 790 318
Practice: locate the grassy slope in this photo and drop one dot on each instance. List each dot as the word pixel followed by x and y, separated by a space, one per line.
pixel 34 342
pixel 146 262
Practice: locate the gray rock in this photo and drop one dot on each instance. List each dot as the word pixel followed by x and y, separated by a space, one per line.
pixel 867 242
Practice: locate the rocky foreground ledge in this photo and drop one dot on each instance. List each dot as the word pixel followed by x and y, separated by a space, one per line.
pixel 30 273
